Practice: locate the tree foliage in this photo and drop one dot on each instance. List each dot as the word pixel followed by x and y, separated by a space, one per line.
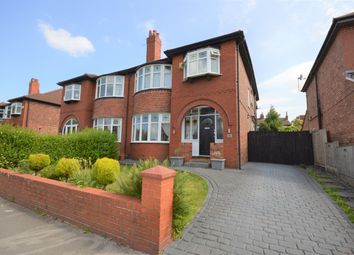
pixel 272 122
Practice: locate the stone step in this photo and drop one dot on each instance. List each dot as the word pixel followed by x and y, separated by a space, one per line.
pixel 198 164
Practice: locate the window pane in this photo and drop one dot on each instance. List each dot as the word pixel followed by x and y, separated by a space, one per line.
pixel 116 121
pixel 214 65
pixel 102 90
pixel 115 130
pixel 193 68
pixel 107 121
pixel 165 132
pixel 110 79
pixel 119 79
pixel 103 80
pixel 165 117
pixel 207 110
pixel 192 56
pixel 195 127
pixel 147 81
pixel 140 83
pixel 145 117
pixel 100 122
pixel 119 91
pixel 157 68
pixel 144 132
pixel 137 133
pixel 202 54
pixel 202 65
pixel 167 77
pixel 156 80
pixel 187 126
pixel 109 90
pixel 153 131
pixel 219 128
pixel 77 94
pixel 154 117
pixel 138 119
pixel 67 93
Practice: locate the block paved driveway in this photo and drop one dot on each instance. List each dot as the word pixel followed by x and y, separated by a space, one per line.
pixel 266 209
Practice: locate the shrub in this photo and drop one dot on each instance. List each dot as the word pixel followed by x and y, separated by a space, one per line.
pixel 82 178
pixel 105 171
pixel 66 167
pixel 18 143
pixel 24 167
pixel 49 172
pixel 38 161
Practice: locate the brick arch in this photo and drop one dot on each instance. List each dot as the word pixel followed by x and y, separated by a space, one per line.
pixel 202 102
pixel 71 116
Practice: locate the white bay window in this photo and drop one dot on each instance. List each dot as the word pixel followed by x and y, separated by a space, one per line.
pixel 153 77
pixel 201 62
pixel 110 86
pixel 72 92
pixel 16 108
pixel 151 127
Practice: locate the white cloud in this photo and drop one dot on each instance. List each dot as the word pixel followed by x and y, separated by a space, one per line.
pixel 282 91
pixel 61 39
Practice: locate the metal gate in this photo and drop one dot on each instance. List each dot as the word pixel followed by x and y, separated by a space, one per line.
pixel 290 148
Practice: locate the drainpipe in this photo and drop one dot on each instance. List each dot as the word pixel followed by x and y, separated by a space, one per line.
pixel 319 115
pixel 126 119
pixel 238 106
pixel 27 112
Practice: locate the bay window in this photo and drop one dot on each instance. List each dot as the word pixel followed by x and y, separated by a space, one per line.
pixel 151 127
pixel 153 77
pixel 201 62
pixel 72 92
pixel 110 86
pixel 113 125
pixel 7 112
pixel 16 108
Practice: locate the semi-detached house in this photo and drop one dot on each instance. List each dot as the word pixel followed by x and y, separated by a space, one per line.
pixel 198 100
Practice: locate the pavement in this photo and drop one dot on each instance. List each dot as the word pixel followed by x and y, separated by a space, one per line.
pixel 26 232
pixel 266 209
pixel 261 209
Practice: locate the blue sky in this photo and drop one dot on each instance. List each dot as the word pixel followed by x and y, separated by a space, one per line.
pixel 57 40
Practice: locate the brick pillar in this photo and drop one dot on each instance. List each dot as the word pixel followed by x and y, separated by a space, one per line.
pixel 157 203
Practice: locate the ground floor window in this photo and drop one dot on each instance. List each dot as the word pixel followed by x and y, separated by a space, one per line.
pixel 71 126
pixel 113 125
pixel 151 127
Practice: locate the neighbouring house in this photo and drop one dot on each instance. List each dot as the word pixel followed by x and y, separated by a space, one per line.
pixel 330 85
pixel 38 111
pixel 4 110
pixel 198 100
pixel 285 120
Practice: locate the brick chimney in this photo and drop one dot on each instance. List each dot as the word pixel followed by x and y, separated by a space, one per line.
pixel 153 46
pixel 33 87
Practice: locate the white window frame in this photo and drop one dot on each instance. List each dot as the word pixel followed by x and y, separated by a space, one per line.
pixel 117 80
pixel 7 112
pixel 142 73
pixel 16 108
pixel 72 88
pixel 69 127
pixel 100 124
pixel 191 139
pixel 210 53
pixel 349 75
pixel 149 122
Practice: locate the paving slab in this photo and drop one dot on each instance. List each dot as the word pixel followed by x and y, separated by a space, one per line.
pixel 266 209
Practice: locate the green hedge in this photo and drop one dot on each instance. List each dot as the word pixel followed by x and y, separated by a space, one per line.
pixel 17 144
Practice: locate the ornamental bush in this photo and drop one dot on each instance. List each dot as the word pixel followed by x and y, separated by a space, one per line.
pixel 105 171
pixel 18 143
pixel 66 167
pixel 38 161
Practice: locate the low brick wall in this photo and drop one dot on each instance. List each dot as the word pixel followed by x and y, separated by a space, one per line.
pixel 144 225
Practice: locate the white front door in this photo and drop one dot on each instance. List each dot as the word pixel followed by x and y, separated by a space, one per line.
pixel 195 148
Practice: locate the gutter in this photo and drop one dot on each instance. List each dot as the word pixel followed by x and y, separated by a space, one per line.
pixel 319 114
pixel 126 118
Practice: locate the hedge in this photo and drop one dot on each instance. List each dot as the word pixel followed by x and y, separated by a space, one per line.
pixel 18 143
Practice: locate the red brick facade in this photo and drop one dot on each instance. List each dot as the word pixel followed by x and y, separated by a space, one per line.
pixel 218 92
pixel 330 96
pixel 144 224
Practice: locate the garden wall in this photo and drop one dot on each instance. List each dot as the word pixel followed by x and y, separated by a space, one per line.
pixel 143 225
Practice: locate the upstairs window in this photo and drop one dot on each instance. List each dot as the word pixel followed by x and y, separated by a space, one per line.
pixel 110 86
pixel 16 108
pixel 113 125
pixel 71 126
pixel 349 75
pixel 153 77
pixel 201 62
pixel 72 92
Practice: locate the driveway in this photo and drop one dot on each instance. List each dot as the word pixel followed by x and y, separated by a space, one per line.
pixel 266 209
pixel 25 232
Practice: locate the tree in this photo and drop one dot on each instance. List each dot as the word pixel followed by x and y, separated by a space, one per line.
pixel 296 125
pixel 272 122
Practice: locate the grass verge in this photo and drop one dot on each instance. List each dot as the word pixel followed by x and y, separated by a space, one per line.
pixel 349 211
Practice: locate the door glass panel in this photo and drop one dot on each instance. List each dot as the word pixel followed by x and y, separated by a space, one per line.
pixel 187 126
pixel 195 127
pixel 207 110
pixel 219 128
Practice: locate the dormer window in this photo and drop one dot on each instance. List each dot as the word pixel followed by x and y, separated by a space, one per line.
pixel 349 75
pixel 153 77
pixel 16 108
pixel 72 92
pixel 110 86
pixel 201 62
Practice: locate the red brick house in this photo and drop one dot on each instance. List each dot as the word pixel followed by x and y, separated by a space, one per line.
pixel 28 111
pixel 330 85
pixel 201 98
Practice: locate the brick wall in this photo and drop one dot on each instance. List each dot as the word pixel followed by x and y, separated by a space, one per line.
pixel 336 94
pixel 144 224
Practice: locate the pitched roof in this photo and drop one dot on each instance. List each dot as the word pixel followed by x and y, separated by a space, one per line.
pixel 52 97
pixel 3 104
pixel 339 22
pixel 86 76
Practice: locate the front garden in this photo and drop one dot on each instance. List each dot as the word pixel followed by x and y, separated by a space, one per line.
pixel 88 159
